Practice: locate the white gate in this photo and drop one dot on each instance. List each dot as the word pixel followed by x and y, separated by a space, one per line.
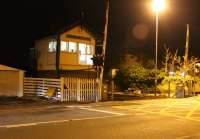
pixel 81 89
pixel 39 86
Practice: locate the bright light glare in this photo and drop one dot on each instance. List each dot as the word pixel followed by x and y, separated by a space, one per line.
pixel 183 74
pixel 171 73
pixel 159 5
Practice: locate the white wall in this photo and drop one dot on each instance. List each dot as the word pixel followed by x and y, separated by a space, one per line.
pixel 11 83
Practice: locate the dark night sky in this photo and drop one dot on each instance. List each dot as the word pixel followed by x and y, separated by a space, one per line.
pixel 131 29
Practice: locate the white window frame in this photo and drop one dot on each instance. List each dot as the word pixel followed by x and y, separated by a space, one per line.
pixel 76 47
pixel 87 61
pixel 52 45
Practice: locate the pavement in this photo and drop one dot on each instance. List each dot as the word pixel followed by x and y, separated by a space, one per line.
pixel 138 119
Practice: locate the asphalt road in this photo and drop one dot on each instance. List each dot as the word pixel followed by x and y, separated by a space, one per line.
pixel 144 119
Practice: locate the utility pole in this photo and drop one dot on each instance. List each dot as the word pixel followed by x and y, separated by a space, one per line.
pixel 185 66
pixel 104 43
pixel 58 55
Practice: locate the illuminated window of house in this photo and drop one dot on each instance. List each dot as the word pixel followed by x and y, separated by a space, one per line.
pixel 68 46
pixel 72 47
pixel 52 46
pixel 89 59
pixel 64 46
pixel 82 48
pixel 90 53
pixel 86 53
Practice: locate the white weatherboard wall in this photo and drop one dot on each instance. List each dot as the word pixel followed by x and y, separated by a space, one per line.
pixel 11 81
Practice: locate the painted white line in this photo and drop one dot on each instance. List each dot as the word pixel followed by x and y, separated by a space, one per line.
pixel 103 111
pixel 54 122
pixel 29 109
pixel 77 106
pixel 93 118
pixel 19 125
pixel 32 124
pixel 45 108
pixel 183 137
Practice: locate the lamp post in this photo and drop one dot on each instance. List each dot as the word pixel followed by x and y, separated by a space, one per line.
pixel 171 73
pixel 183 74
pixel 158 6
pixel 156 66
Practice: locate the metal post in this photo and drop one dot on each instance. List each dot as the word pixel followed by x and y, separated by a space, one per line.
pixel 156 64
pixel 98 85
pixel 169 89
pixel 112 89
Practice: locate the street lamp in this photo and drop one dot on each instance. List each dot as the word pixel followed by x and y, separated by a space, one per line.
pixel 158 6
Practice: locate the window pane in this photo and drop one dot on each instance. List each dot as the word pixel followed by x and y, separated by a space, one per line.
pixel 82 48
pixel 72 46
pixel 82 59
pixel 64 46
pixel 89 60
pixel 52 46
pixel 90 49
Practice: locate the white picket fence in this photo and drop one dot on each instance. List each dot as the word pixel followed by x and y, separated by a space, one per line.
pixel 70 89
pixel 39 86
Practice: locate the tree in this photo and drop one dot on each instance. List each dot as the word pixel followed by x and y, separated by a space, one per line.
pixel 167 58
pixel 179 70
pixel 136 77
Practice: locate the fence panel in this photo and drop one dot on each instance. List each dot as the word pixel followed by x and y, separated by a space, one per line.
pixel 81 89
pixel 39 86
pixel 71 88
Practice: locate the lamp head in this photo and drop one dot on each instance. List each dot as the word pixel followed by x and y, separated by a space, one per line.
pixel 159 5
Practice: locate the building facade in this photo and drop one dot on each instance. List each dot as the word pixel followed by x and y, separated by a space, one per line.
pixel 67 55
pixel 77 46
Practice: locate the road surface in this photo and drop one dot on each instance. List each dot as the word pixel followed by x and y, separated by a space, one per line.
pixel 139 119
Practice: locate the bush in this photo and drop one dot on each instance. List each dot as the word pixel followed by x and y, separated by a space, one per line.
pixel 136 77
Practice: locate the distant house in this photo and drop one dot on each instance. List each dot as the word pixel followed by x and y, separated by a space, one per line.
pixel 71 49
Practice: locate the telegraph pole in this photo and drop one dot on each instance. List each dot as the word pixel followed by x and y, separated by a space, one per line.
pixel 104 43
pixel 58 55
pixel 185 66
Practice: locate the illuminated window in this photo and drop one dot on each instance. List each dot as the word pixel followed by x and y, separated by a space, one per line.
pixel 64 46
pixel 83 59
pixel 82 48
pixel 52 46
pixel 68 46
pixel 89 59
pixel 86 53
pixel 72 47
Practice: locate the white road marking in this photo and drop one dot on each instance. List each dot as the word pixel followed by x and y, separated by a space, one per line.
pixel 77 106
pixel 32 124
pixel 54 122
pixel 114 114
pixel 103 111
pixel 183 137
